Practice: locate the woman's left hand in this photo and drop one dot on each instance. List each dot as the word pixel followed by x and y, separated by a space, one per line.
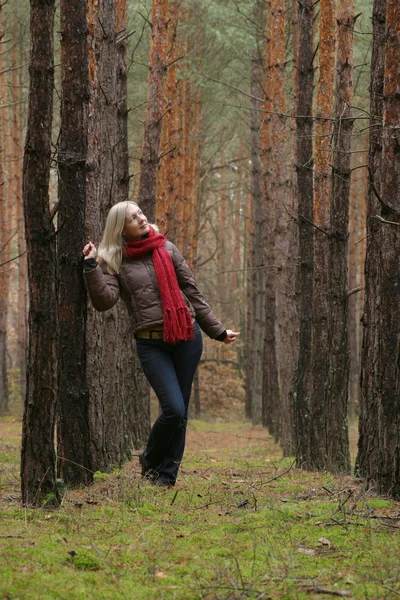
pixel 231 336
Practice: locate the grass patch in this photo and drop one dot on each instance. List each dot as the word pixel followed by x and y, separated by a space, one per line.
pixel 241 523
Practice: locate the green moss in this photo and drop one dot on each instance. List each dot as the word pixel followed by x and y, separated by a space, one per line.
pixel 100 476
pixel 84 560
pixel 230 529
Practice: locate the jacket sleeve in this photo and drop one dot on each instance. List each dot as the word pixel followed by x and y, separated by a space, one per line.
pixel 187 283
pixel 103 288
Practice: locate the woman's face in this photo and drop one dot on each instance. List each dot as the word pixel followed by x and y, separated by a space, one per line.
pixel 136 225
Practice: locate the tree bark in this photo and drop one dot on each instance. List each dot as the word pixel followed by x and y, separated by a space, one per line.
pixel 319 415
pixel 152 131
pixel 173 163
pixel 38 456
pixel 270 391
pixel 304 166
pixel 112 412
pixel 359 192
pixel 368 443
pixel 119 413
pixel 354 236
pixel 288 297
pixel 286 234
pixel 253 200
pixel 168 177
pixel 383 466
pixel 257 282
pixel 337 452
pixel 17 146
pixel 5 232
pixel 73 430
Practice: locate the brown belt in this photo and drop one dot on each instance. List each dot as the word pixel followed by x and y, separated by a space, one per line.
pixel 152 334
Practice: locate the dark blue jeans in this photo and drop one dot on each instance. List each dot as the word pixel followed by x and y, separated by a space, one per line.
pixel 169 368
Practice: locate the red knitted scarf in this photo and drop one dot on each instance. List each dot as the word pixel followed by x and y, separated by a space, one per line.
pixel 178 324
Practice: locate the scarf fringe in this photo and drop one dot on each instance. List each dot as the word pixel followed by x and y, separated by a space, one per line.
pixel 178 325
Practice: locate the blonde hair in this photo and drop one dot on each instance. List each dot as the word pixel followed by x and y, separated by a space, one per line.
pixel 112 243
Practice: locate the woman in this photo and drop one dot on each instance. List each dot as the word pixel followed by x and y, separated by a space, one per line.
pixel 166 308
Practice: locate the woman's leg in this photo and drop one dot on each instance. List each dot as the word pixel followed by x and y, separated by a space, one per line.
pixel 158 367
pixel 186 357
pixel 170 369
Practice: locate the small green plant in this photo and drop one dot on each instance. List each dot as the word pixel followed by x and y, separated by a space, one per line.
pixel 100 476
pixel 84 560
pixel 50 500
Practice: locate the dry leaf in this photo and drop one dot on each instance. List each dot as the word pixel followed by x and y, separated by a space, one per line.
pixel 160 574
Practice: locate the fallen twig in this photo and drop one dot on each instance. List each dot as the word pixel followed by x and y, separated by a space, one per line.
pixel 317 589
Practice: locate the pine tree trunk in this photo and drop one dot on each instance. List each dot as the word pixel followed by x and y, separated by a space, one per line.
pixel 318 409
pixel 174 161
pixel 270 391
pixel 304 158
pixel 5 233
pixel 150 159
pixel 286 231
pixel 354 236
pixel 256 316
pixel 195 159
pixel 134 389
pixel 17 145
pixel 383 466
pixel 73 432
pixel 121 91
pixel 253 200
pixel 337 453
pixel 119 406
pixel 368 443
pixel 236 238
pixel 38 456
pixel 359 187
pixel 167 181
pixel 361 246
pixel 288 301
pixel 186 175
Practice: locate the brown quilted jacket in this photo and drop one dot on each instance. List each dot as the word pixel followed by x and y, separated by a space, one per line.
pixel 136 283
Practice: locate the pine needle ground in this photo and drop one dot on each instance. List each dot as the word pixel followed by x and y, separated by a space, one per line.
pixel 241 523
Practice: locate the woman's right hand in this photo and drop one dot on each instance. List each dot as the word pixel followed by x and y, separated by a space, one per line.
pixel 89 251
pixel 231 336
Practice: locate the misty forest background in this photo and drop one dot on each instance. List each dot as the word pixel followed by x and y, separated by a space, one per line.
pixel 261 136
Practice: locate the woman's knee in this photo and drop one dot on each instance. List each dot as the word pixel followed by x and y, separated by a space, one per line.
pixel 175 414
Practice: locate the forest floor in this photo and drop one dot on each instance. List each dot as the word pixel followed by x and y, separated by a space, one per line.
pixel 241 523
